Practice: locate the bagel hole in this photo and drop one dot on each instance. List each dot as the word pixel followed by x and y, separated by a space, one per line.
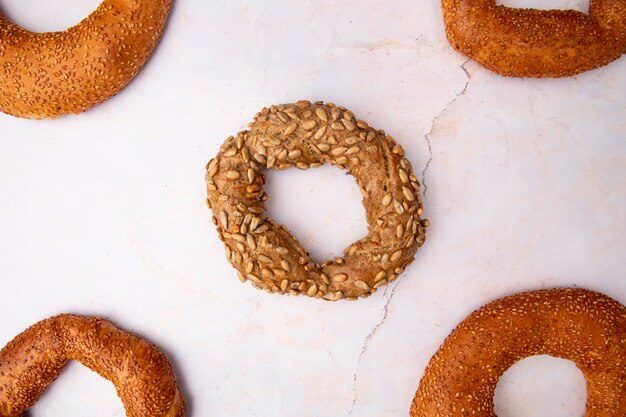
pixel 579 5
pixel 322 207
pixel 79 391
pixel 541 386
pixel 47 15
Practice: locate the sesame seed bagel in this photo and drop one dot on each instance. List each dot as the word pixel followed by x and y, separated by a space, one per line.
pixel 306 135
pixel 46 75
pixel 579 325
pixel 536 43
pixel 141 373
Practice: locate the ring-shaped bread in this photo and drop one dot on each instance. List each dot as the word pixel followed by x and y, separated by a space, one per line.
pixel 585 327
pixel 141 373
pixel 536 43
pixel 46 75
pixel 306 135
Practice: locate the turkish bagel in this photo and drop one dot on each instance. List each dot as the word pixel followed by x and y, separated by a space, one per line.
pixel 536 43
pixel 141 373
pixel 585 327
pixel 45 75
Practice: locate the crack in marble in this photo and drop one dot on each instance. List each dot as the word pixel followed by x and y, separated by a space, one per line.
pixel 366 342
pixel 433 125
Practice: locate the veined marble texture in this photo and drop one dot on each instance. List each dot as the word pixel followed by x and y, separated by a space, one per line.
pixel 104 213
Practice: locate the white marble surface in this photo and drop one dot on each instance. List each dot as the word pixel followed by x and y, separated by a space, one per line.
pixel 104 213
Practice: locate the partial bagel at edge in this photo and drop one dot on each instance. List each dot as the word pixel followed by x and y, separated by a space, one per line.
pixel 536 43
pixel 141 373
pixel 585 327
pixel 46 75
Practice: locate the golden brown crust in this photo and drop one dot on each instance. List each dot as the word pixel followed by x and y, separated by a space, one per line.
pixel 536 43
pixel 308 135
pixel 583 326
pixel 141 373
pixel 45 75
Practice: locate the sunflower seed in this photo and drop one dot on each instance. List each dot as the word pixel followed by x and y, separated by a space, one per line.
pixel 282 250
pixel 339 150
pixel 380 276
pixel 284 284
pixel 254 223
pixel 320 132
pixel 396 255
pixel 324 147
pixel 233 175
pixel 353 150
pixel 324 278
pixel 340 277
pixel 224 219
pixel 267 273
pixel 399 231
pixel 321 113
pixel 251 242
pixel 285 265
pixel 230 152
pixel 403 176
pixel 386 200
pixel 348 124
pixel 264 258
pixel 254 278
pixel 398 207
pixel 336 126
pixel 309 124
pixel 352 140
pixel 312 290
pixel 238 237
pixel 296 153
pixel 408 194
pixel 291 128
pixel 271 161
pixel 380 284
pixel 241 276
pixel 361 284
pixel 249 267
pixel 279 272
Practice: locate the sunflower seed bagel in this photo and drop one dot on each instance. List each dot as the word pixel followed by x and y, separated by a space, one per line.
pixel 141 373
pixel 306 135
pixel 46 75
pixel 536 43
pixel 585 327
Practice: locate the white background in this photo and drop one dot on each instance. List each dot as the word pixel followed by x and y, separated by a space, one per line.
pixel 103 213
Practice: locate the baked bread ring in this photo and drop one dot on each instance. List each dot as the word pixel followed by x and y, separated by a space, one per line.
pixel 306 135
pixel 141 373
pixel 579 325
pixel 45 75
pixel 536 43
